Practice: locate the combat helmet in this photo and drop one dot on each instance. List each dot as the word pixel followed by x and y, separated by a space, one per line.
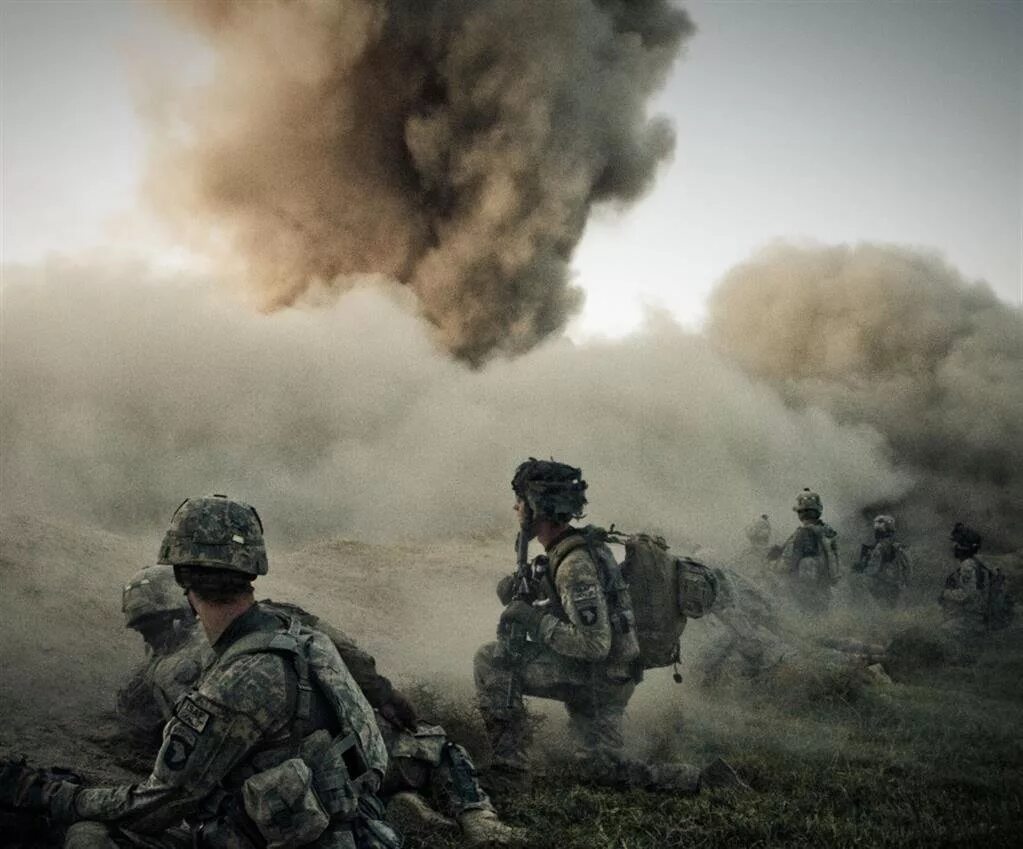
pixel 214 532
pixel 965 540
pixel 552 490
pixel 884 525
pixel 150 593
pixel 807 500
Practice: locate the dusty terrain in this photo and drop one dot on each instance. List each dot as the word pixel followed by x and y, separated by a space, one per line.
pixel 834 759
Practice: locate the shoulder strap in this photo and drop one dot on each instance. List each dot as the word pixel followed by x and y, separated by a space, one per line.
pixel 292 642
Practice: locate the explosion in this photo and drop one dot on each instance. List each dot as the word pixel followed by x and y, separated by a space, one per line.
pixel 457 147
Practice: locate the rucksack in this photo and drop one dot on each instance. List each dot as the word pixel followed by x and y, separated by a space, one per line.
pixel 665 591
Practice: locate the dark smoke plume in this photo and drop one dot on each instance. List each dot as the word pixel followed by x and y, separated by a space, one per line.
pixel 454 145
pixel 895 339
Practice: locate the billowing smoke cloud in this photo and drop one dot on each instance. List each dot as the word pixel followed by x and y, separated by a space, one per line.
pixel 897 340
pixel 121 397
pixel 454 145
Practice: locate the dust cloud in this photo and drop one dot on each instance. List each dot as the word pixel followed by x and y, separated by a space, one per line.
pixel 123 394
pixel 495 127
pixel 897 340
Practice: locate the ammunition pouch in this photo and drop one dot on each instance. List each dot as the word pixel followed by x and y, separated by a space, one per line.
pixel 283 805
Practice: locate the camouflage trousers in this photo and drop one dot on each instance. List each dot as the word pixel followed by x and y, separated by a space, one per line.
pixel 595 705
pixel 427 762
pixel 596 709
pixel 885 593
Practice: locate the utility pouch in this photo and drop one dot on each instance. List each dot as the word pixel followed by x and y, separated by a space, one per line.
pixel 334 765
pixel 697 588
pixel 283 806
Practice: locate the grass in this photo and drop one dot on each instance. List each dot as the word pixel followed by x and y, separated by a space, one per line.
pixel 934 760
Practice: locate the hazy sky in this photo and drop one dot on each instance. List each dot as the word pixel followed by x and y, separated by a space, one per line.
pixel 832 121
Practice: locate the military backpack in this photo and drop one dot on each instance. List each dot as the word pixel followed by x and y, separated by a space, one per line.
pixel 664 591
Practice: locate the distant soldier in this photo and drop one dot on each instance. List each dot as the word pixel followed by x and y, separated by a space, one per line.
pixel 577 650
pixel 975 599
pixel 809 561
pixel 885 563
pixel 422 758
pixel 754 558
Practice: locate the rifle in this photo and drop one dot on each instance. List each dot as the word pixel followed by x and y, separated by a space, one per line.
pixel 515 634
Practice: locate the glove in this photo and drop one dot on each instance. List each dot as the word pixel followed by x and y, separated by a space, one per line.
pixel 506 589
pixel 25 789
pixel 399 711
pixel 774 553
pixel 522 613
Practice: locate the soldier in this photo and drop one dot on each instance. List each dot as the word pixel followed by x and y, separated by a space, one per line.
pixel 750 630
pixel 809 558
pixel 885 563
pixel 276 746
pixel 176 651
pixel 974 599
pixel 753 559
pixel 422 758
pixel 574 654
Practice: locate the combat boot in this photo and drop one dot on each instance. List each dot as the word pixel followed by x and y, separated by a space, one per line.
pixel 482 827
pixel 409 813
pixel 719 774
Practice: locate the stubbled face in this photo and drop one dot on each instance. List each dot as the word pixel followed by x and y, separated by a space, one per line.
pixel 808 515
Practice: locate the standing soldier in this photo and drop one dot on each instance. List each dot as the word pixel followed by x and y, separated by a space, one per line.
pixel 809 558
pixel 276 746
pixel 753 560
pixel 885 563
pixel 579 650
pixel 974 599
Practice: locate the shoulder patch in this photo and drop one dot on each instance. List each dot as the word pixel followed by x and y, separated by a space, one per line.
pixel 588 615
pixel 176 752
pixel 584 592
pixel 187 671
pixel 192 715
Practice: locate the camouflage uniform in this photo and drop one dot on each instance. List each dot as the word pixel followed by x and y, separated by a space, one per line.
pixel 573 660
pixel 749 632
pixel 809 557
pixel 170 670
pixel 238 722
pixel 276 715
pixel 885 563
pixel 422 759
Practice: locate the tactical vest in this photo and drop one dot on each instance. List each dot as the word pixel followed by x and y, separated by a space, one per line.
pixel 624 642
pixel 311 789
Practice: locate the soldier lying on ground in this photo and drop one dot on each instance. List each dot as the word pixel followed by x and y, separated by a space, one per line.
pixel 422 758
pixel 752 639
pixel 277 745
pixel 574 654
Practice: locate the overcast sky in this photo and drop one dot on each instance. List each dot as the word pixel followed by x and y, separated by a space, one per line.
pixel 834 121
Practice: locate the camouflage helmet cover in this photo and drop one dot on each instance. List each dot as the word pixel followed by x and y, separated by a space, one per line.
pixel 215 532
pixel 965 538
pixel 884 524
pixel 152 591
pixel 551 489
pixel 807 500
